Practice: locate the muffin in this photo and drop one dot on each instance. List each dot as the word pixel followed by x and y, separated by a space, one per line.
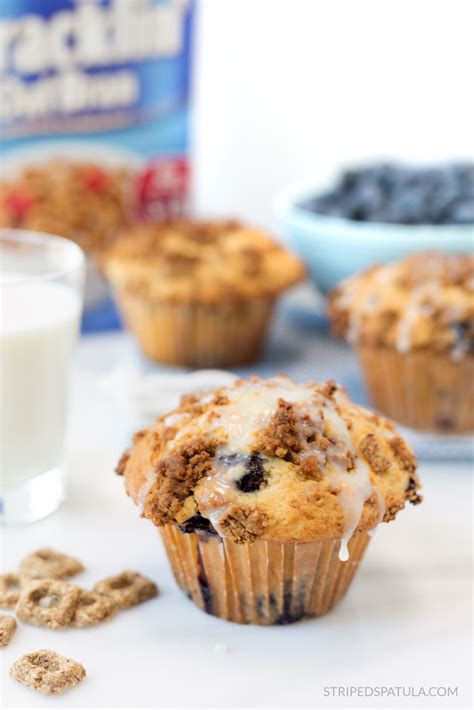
pixel 412 326
pixel 199 293
pixel 266 493
pixel 82 201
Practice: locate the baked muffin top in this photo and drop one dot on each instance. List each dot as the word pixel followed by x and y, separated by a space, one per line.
pixel 81 201
pixel 271 459
pixel 424 301
pixel 188 260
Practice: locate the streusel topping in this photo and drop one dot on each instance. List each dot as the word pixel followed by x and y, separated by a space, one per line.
pixel 186 260
pixel 271 459
pixel 423 301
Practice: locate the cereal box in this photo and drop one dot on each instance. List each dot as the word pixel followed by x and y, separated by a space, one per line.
pixel 94 111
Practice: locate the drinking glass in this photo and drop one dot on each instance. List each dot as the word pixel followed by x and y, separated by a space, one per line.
pixel 41 288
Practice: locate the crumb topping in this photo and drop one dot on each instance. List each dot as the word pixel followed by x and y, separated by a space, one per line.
pixel 424 301
pixel 281 437
pixel 243 525
pixel 176 477
pixel 403 454
pixel 271 459
pixel 120 467
pixel 186 260
pixel 373 453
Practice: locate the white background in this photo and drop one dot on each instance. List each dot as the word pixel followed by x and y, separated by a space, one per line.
pixel 289 90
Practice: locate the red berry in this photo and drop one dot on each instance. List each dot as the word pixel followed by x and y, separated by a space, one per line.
pixel 95 179
pixel 19 203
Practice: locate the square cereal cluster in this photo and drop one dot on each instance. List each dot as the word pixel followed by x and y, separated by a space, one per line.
pixel 48 602
pixel 47 563
pixel 47 672
pixel 7 629
pixel 41 597
pixel 127 589
pixel 10 587
pixel 92 608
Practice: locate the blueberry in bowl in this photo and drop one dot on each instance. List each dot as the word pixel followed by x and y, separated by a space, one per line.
pixel 378 213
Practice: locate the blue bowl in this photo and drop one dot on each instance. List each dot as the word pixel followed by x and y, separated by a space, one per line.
pixel 335 248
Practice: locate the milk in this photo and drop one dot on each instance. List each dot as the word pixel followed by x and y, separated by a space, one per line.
pixel 38 327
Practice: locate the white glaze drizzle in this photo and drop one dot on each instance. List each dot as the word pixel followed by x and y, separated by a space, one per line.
pixel 381 511
pixel 369 304
pixel 252 406
pixel 418 305
pixel 355 485
pixel 218 489
pixel 249 410
pixel 143 492
pixel 176 418
pixel 416 308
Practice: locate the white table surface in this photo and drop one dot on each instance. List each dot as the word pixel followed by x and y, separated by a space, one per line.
pixel 405 621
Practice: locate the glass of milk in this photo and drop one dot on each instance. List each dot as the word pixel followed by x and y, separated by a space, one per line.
pixel 41 283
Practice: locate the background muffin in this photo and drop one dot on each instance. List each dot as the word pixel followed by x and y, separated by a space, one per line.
pixel 412 325
pixel 82 201
pixel 264 489
pixel 199 293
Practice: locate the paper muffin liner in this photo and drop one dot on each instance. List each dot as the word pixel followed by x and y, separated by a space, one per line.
pixel 420 389
pixel 263 582
pixel 196 335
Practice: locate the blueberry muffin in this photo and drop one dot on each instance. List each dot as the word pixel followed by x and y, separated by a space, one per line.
pixel 199 293
pixel 412 326
pixel 265 493
pixel 81 201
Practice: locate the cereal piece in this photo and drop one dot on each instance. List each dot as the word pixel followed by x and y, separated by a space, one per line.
pixel 47 672
pixel 10 588
pixel 49 564
pixel 48 602
pixel 7 629
pixel 93 608
pixel 127 589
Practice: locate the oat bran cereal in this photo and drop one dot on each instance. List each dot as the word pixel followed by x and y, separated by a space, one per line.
pixel 7 629
pixel 10 588
pixel 47 672
pixel 127 589
pixel 93 608
pixel 48 602
pixel 48 563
